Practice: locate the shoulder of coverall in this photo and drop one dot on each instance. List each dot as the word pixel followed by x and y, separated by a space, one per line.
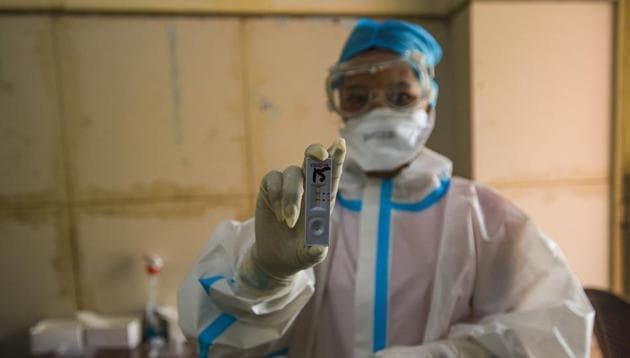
pixel 495 216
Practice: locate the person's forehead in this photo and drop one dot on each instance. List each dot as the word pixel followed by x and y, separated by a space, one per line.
pixel 387 76
pixel 395 73
pixel 372 56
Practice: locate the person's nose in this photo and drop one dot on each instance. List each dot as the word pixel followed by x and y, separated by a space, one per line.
pixel 377 99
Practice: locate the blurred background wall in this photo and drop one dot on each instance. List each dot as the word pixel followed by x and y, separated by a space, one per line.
pixel 133 132
pixel 541 118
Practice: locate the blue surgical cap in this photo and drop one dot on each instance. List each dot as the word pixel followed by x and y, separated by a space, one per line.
pixel 393 35
pixel 396 36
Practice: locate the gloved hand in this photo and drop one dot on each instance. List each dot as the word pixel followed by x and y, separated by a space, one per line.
pixel 448 348
pixel 279 251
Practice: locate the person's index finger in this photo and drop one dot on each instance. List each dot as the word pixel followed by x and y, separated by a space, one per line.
pixel 316 151
pixel 337 152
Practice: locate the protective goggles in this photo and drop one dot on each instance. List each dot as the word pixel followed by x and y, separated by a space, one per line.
pixel 402 83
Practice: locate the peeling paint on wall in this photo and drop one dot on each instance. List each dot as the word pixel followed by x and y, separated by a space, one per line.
pixel 271 111
pixel 40 198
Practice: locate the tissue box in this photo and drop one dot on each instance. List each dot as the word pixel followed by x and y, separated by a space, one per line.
pixel 58 336
pixel 114 332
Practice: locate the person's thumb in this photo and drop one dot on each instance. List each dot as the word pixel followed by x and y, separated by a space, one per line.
pixel 315 254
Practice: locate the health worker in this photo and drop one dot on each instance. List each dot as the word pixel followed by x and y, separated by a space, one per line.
pixel 420 263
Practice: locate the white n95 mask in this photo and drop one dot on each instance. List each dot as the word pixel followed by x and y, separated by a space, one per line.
pixel 385 139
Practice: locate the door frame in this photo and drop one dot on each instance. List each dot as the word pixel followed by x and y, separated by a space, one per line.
pixel 620 178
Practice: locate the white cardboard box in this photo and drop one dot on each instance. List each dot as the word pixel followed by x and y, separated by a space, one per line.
pixel 59 336
pixel 113 332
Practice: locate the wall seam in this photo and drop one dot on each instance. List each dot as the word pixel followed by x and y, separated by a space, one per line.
pixel 471 94
pixel 247 118
pixel 67 164
pixel 587 182
pixel 227 198
pixel 619 247
pixel 457 9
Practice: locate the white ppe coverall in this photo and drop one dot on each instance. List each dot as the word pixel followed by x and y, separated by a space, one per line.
pixel 418 258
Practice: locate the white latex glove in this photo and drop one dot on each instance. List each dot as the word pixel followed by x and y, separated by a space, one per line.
pixel 448 348
pixel 279 251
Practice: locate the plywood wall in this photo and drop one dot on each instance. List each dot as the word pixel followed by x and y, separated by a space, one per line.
pixel 128 134
pixel 541 118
